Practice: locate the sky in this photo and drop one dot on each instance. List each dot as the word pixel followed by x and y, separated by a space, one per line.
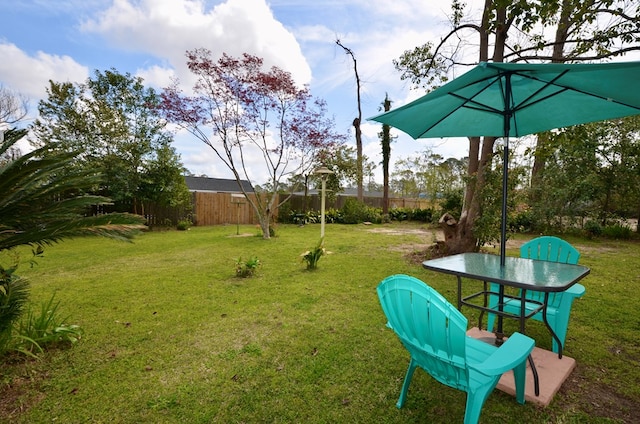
pixel 67 40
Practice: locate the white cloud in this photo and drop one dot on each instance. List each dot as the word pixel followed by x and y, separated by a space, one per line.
pixel 167 28
pixel 156 76
pixel 157 33
pixel 29 75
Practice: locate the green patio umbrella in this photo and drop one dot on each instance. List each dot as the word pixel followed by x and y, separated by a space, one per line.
pixel 513 99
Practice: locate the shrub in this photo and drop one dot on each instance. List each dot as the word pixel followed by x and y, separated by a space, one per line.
pixel 312 217
pixel 286 215
pixel 184 224
pixel 400 214
pixel 592 229
pixel 452 203
pixel 423 215
pixel 332 216
pixel 355 212
pixel 617 231
pixel 523 221
pixel 247 268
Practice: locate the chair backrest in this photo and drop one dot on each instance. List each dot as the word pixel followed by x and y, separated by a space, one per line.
pixel 430 328
pixel 552 249
pixel 549 248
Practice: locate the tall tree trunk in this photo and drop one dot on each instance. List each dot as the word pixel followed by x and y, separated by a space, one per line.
pixel 542 144
pixel 386 157
pixel 459 235
pixel 359 173
pixel 356 125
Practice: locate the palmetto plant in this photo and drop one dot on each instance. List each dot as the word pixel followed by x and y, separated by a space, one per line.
pixel 43 202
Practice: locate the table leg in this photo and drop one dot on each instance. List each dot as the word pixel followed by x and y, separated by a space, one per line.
pixel 484 305
pixel 459 293
pixel 523 309
pixel 523 312
pixel 534 371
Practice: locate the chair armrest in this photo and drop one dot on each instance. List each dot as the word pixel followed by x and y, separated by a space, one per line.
pixel 506 357
pixel 577 290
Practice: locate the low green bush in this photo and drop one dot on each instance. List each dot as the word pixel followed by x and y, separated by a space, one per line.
pixel 522 222
pixel 592 229
pixel 184 225
pixel 356 212
pixel 400 214
pixel 423 215
pixel 247 268
pixel 617 232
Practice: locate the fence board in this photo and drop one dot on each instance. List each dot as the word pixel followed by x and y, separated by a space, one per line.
pixel 219 208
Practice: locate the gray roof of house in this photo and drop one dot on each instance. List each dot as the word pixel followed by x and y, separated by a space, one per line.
pixel 217 185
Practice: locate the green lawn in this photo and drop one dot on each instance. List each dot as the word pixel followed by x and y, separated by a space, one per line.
pixel 172 336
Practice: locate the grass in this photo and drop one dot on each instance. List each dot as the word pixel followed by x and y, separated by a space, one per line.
pixel 171 335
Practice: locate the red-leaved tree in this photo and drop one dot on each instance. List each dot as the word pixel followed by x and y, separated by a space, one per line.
pixel 242 111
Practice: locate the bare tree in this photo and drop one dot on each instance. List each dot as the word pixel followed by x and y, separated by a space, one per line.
pixel 13 109
pixel 243 112
pixel 356 123
pixel 385 140
pixel 13 106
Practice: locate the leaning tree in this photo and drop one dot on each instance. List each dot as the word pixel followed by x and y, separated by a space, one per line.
pixel 244 112
pixel 516 31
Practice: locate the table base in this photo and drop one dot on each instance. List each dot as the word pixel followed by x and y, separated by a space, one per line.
pixel 551 370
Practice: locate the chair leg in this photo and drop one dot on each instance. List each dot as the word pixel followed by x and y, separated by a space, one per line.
pixel 490 320
pixel 475 402
pixel 407 382
pixel 519 376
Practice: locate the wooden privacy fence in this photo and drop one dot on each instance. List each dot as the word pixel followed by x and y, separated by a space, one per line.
pixel 227 208
pixel 222 208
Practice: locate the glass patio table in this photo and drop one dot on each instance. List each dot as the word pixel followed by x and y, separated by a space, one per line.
pixel 521 273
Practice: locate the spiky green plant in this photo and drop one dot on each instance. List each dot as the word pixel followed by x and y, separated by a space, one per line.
pixel 43 202
pixel 38 329
pixel 311 257
pixel 14 294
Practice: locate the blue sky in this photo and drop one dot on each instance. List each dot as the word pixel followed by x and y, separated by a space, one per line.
pixel 66 40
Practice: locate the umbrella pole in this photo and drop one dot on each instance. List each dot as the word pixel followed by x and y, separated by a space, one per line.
pixel 505 185
pixel 508 112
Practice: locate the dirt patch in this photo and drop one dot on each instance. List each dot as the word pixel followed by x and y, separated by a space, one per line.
pixel 416 253
pixel 404 231
pixel 17 396
pixel 598 400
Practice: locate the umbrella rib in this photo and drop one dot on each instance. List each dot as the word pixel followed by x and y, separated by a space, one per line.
pixel 475 105
pixel 563 88
pixel 480 107
pixel 524 104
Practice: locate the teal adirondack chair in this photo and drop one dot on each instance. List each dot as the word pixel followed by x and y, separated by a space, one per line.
pixel 434 333
pixel 553 249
